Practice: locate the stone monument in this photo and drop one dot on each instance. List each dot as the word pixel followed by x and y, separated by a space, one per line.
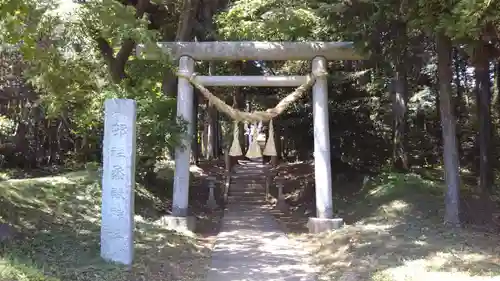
pixel 118 181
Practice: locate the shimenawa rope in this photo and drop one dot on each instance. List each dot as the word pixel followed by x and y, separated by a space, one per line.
pixel 254 116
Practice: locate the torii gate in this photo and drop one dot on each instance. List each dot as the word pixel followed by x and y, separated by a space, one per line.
pixel 318 52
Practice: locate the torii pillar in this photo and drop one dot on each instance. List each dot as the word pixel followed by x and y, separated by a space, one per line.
pixel 324 219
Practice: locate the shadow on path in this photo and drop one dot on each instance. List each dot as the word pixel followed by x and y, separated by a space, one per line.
pixel 252 246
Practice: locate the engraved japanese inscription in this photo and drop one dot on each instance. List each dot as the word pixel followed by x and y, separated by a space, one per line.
pixel 117 172
pixel 119 129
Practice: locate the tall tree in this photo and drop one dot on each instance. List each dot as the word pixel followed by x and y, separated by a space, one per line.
pixel 483 98
pixel 451 160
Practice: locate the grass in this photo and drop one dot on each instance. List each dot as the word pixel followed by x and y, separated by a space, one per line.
pixel 395 232
pixel 56 220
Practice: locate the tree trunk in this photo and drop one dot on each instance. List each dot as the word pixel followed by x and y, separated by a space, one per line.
pixel 399 103
pixel 460 103
pixel 185 32
pixel 207 133
pixel 218 135
pixel 211 126
pixel 497 83
pixel 451 163
pixel 496 110
pixel 400 98
pixel 195 144
pixel 439 130
pixel 277 139
pixel 210 123
pixel 483 97
pixel 467 85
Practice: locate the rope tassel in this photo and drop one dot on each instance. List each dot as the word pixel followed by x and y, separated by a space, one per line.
pixel 270 148
pixel 235 146
pixel 254 148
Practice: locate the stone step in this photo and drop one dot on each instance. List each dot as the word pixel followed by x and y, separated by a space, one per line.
pixel 248 182
pixel 244 200
pixel 251 166
pixel 243 192
pixel 248 174
pixel 247 188
pixel 240 186
pixel 246 192
pixel 242 163
pixel 248 179
pixel 250 186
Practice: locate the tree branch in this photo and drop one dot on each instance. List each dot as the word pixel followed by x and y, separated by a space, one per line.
pixel 148 7
pixel 106 50
pixel 124 53
pixel 141 7
pixel 117 64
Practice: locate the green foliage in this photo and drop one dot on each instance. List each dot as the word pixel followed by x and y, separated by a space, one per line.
pixel 275 20
pixel 20 21
pixel 115 22
pixel 468 19
pixel 461 20
pixel 64 63
pixel 6 126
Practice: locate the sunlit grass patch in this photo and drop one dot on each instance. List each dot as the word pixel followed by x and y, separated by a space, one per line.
pixel 4 176
pixel 396 252
pixel 396 234
pixel 56 234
